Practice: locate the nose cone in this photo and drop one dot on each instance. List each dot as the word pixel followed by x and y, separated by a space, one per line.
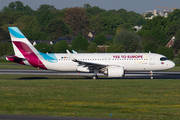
pixel 171 64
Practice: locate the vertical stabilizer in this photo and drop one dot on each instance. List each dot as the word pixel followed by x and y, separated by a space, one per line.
pixel 20 43
pixel 25 53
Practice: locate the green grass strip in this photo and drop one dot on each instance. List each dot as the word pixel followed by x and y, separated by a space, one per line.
pixel 56 96
pixel 14 66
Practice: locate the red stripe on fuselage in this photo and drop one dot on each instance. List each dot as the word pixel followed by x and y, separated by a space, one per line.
pixel 29 54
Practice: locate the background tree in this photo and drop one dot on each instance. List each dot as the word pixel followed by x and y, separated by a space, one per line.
pixel 100 39
pixel 128 39
pixel 30 28
pixel 16 7
pixel 93 11
pixel 57 28
pixel 61 47
pixel 172 28
pixel 6 49
pixel 125 26
pixel 87 6
pixel 45 14
pixel 156 28
pixel 44 17
pixel 168 52
pixel 35 34
pixel 115 48
pixel 149 15
pixel 13 7
pixel 4 35
pixel 10 18
pixel 92 48
pixel 156 22
pixel 175 16
pixel 77 20
pixel 43 47
pixel 150 46
pixel 28 10
pixel 95 24
pixel 159 36
pixel 19 6
pixel 98 20
pixel 46 7
pixel 80 43
pixel 108 21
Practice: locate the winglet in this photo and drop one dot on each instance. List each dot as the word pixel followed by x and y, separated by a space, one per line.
pixel 74 51
pixel 72 58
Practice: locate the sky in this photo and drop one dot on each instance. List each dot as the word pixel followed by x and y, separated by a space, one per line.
pixel 138 6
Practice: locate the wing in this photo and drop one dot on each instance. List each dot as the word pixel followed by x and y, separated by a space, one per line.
pixel 90 65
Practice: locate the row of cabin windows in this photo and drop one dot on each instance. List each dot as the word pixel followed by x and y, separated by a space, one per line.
pixel 94 59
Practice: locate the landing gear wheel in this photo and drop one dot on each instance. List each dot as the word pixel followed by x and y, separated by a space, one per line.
pixel 94 77
pixel 151 74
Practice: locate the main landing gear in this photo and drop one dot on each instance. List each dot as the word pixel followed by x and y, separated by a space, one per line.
pixel 94 77
pixel 151 74
pixel 95 74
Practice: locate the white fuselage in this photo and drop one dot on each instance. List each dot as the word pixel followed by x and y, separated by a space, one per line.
pixel 130 61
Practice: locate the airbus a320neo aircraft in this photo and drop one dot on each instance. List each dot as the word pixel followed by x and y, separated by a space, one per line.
pixel 110 64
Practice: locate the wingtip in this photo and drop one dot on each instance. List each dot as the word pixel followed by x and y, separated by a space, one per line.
pixel 67 51
pixel 72 58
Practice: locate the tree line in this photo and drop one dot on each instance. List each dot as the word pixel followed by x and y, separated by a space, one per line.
pixel 49 23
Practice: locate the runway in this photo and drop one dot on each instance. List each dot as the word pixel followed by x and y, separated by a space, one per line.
pixel 33 117
pixel 128 75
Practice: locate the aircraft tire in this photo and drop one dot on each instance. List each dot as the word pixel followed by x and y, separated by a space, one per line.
pixel 94 77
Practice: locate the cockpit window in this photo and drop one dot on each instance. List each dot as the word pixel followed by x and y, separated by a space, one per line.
pixel 163 59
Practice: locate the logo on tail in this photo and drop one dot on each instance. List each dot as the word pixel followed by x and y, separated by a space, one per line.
pixel 25 53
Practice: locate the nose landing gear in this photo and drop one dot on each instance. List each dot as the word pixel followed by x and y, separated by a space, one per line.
pixel 151 74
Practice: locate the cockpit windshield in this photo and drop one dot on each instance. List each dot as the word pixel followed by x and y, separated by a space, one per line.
pixel 163 59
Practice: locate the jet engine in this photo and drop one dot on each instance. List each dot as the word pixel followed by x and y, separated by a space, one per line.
pixel 114 72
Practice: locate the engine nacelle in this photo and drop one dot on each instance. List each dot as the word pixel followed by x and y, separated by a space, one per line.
pixel 115 72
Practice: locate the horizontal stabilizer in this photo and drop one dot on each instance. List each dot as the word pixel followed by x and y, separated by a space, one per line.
pixel 16 59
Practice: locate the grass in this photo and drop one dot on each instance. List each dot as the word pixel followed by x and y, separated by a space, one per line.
pixel 80 97
pixel 11 65
pixel 175 69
